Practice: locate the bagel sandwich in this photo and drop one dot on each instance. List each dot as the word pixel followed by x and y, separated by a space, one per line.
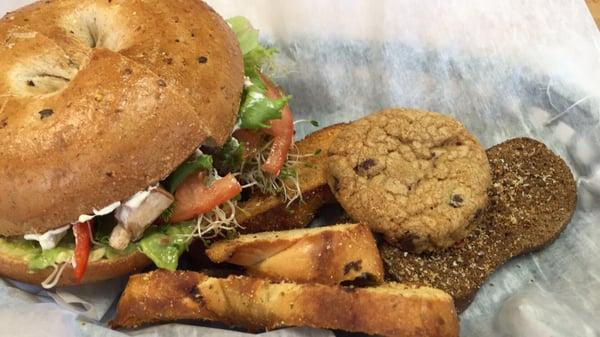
pixel 128 129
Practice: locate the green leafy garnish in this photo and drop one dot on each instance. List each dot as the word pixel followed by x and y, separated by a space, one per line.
pixel 165 244
pixel 230 157
pixel 288 172
pixel 255 109
pixel 255 55
pixel 168 213
pixel 246 34
pixel 206 242
pixel 192 165
pixel 103 227
pixel 231 234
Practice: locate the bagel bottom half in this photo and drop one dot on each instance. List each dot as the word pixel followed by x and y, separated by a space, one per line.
pixel 16 268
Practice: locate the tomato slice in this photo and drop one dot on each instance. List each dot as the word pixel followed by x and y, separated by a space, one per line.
pixel 282 131
pixel 194 198
pixel 249 139
pixel 83 243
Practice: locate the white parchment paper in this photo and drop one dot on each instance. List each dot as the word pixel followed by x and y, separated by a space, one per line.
pixel 505 69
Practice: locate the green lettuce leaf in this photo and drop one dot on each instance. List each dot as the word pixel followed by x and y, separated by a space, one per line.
pixel 167 214
pixel 255 109
pixel 255 55
pixel 246 34
pixel 230 157
pixel 192 165
pixel 165 244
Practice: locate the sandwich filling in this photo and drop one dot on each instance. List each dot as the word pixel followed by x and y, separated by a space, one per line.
pixel 198 200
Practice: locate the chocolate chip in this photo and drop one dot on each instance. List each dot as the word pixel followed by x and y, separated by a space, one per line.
pixel 202 59
pixel 127 71
pixel 46 113
pixel 456 200
pixel 364 166
pixel 3 123
pixel 361 281
pixel 353 265
pixel 31 83
pixel 109 174
pixel 168 60
pixel 162 83
pixel 195 294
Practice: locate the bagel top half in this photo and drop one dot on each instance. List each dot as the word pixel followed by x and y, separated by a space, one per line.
pixel 101 98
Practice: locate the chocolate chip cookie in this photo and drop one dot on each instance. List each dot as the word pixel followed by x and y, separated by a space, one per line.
pixel 417 177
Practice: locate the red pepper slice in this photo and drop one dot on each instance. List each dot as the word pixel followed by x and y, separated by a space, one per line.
pixel 282 131
pixel 83 244
pixel 193 197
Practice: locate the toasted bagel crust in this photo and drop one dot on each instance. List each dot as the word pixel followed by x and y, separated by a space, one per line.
pixel 16 268
pixel 100 99
pixel 256 304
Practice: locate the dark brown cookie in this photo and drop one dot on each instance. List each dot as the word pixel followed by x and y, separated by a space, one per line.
pixel 531 202
pixel 417 177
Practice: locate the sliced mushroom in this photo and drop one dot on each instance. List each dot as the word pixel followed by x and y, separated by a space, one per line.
pixel 119 238
pixel 137 213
